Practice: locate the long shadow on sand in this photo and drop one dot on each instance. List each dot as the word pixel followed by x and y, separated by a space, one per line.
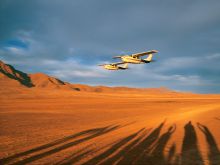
pixel 213 153
pixel 75 157
pixel 112 149
pixel 138 153
pixel 87 135
pixel 156 156
pixel 130 150
pixel 144 147
pixel 190 151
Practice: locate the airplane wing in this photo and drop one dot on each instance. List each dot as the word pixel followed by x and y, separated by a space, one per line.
pixel 117 57
pixel 118 63
pixel 144 53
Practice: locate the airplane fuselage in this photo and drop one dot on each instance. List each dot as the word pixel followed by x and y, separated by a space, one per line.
pixel 114 67
pixel 133 60
pixel 111 67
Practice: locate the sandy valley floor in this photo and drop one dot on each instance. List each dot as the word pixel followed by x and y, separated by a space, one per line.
pixel 97 128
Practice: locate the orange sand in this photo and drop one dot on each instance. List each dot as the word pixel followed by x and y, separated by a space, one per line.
pixel 44 120
pixel 58 127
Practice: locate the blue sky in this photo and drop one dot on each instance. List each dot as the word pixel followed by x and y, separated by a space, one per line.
pixel 67 39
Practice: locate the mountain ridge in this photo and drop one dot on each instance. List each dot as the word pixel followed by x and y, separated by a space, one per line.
pixel 40 80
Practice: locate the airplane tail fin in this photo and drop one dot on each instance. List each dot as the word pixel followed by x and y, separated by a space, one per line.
pixel 149 58
pixel 125 65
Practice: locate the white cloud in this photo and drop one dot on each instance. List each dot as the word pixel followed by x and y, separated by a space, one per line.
pixel 70 69
pixel 65 74
pixel 15 50
pixel 203 61
pixel 213 56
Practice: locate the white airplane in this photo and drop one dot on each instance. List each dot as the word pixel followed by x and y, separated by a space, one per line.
pixel 115 66
pixel 135 58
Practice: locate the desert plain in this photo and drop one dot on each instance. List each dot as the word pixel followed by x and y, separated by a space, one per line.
pixel 45 125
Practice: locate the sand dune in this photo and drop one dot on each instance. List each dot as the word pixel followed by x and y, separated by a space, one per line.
pixel 9 77
pixel 65 126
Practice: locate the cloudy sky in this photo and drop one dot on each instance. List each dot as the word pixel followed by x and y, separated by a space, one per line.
pixel 68 38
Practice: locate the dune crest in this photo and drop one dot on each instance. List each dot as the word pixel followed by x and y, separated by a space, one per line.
pixel 44 81
pixel 8 72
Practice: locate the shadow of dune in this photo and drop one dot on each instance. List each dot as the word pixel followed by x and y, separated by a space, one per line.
pixel 190 151
pixel 111 150
pixel 90 134
pixel 22 77
pixel 213 153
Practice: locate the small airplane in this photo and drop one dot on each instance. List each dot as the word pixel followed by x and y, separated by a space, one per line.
pixel 115 66
pixel 135 58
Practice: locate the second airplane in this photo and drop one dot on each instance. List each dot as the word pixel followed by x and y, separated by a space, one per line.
pixel 133 59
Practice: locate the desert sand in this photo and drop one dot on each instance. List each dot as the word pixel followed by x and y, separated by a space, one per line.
pixel 78 124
